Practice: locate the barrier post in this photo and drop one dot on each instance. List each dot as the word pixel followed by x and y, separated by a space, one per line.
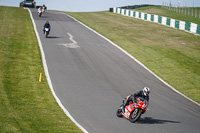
pixel 40 78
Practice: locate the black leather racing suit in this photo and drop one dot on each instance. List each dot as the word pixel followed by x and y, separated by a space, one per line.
pixel 47 25
pixel 133 97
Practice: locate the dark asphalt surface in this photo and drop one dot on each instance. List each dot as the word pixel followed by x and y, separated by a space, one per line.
pixel 92 79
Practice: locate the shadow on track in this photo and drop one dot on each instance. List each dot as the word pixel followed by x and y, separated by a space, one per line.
pixel 150 120
pixel 53 37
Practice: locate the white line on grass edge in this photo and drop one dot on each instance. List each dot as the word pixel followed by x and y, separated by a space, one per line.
pixel 135 60
pixel 49 79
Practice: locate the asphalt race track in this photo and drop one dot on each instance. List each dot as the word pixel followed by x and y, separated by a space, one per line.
pixel 91 76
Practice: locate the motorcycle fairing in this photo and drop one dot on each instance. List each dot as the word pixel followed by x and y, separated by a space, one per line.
pixel 128 110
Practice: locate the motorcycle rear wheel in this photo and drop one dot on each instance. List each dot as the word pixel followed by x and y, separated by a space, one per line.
pixel 135 115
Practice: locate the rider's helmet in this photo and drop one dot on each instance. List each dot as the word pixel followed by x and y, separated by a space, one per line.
pixel 47 22
pixel 146 91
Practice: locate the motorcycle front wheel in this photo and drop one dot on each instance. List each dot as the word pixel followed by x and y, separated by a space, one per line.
pixel 46 34
pixel 119 112
pixel 135 115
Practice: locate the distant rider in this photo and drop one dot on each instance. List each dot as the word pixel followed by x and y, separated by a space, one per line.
pixel 40 10
pixel 47 25
pixel 44 7
pixel 133 97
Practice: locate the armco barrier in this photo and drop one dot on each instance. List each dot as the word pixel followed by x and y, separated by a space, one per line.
pixel 177 24
pixel 198 29
pixel 182 25
pixel 160 19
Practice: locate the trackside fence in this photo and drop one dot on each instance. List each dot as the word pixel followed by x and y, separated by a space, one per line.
pixel 182 25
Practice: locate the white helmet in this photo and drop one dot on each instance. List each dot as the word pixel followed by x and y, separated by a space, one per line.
pixel 146 91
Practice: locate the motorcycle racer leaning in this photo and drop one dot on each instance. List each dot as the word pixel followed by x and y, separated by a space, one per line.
pixel 133 97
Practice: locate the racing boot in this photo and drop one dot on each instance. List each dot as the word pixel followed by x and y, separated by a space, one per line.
pixel 123 108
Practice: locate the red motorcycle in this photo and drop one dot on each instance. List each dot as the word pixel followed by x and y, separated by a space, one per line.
pixel 134 110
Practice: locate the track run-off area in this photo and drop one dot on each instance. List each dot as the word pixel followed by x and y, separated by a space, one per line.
pixel 90 76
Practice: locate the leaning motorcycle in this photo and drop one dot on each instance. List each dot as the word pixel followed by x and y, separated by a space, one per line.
pixel 40 13
pixel 134 110
pixel 46 30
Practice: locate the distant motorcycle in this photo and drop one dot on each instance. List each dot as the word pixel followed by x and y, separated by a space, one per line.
pixel 46 30
pixel 134 110
pixel 40 13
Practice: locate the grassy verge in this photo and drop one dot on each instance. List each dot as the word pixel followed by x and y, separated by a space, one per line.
pixel 158 10
pixel 170 53
pixel 25 104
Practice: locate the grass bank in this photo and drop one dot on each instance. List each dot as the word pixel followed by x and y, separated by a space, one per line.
pixel 158 10
pixel 25 104
pixel 170 53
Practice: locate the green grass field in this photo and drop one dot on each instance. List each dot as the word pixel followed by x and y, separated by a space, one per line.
pixel 172 54
pixel 26 105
